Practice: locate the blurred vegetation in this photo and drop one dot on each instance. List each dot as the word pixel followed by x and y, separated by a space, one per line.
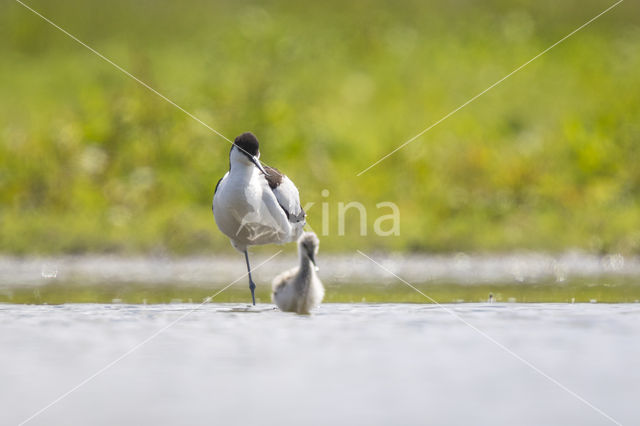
pixel 548 160
pixel 600 290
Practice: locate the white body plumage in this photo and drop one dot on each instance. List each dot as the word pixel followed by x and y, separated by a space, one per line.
pixel 254 205
pixel 250 212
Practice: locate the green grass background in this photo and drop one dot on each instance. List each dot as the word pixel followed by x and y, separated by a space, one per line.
pixel 597 289
pixel 90 161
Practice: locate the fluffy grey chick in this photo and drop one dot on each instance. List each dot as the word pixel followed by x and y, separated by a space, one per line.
pixel 299 289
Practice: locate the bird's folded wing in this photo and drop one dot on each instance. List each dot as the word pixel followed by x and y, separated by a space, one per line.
pixel 287 195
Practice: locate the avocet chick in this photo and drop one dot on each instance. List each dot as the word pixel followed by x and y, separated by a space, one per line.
pixel 299 289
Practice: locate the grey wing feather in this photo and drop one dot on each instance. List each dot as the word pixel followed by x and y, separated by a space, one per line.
pixel 283 279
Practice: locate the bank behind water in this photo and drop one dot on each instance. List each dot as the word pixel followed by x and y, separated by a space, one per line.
pixel 516 277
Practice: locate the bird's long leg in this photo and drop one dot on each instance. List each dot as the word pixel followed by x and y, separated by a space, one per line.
pixel 252 285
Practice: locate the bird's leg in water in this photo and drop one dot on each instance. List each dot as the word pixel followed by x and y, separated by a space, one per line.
pixel 252 285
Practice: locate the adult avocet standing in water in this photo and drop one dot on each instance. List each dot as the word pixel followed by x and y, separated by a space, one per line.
pixel 255 205
pixel 299 289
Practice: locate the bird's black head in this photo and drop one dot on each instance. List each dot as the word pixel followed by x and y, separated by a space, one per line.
pixel 248 144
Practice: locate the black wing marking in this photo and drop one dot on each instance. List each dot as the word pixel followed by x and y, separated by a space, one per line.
pixel 216 190
pixel 294 218
pixel 299 217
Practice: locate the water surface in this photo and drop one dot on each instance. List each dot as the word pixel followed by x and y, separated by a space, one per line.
pixel 347 364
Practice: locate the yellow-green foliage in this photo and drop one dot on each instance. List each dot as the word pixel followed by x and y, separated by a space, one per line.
pixel 92 161
pixel 602 290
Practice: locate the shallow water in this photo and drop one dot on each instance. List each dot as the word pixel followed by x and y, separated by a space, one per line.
pixel 348 278
pixel 461 268
pixel 347 364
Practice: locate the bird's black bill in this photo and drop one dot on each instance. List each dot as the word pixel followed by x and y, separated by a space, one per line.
pixel 255 161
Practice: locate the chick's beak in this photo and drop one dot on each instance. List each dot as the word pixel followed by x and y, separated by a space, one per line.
pixel 312 258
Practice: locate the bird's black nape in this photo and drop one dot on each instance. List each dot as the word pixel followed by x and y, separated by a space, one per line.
pixel 248 143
